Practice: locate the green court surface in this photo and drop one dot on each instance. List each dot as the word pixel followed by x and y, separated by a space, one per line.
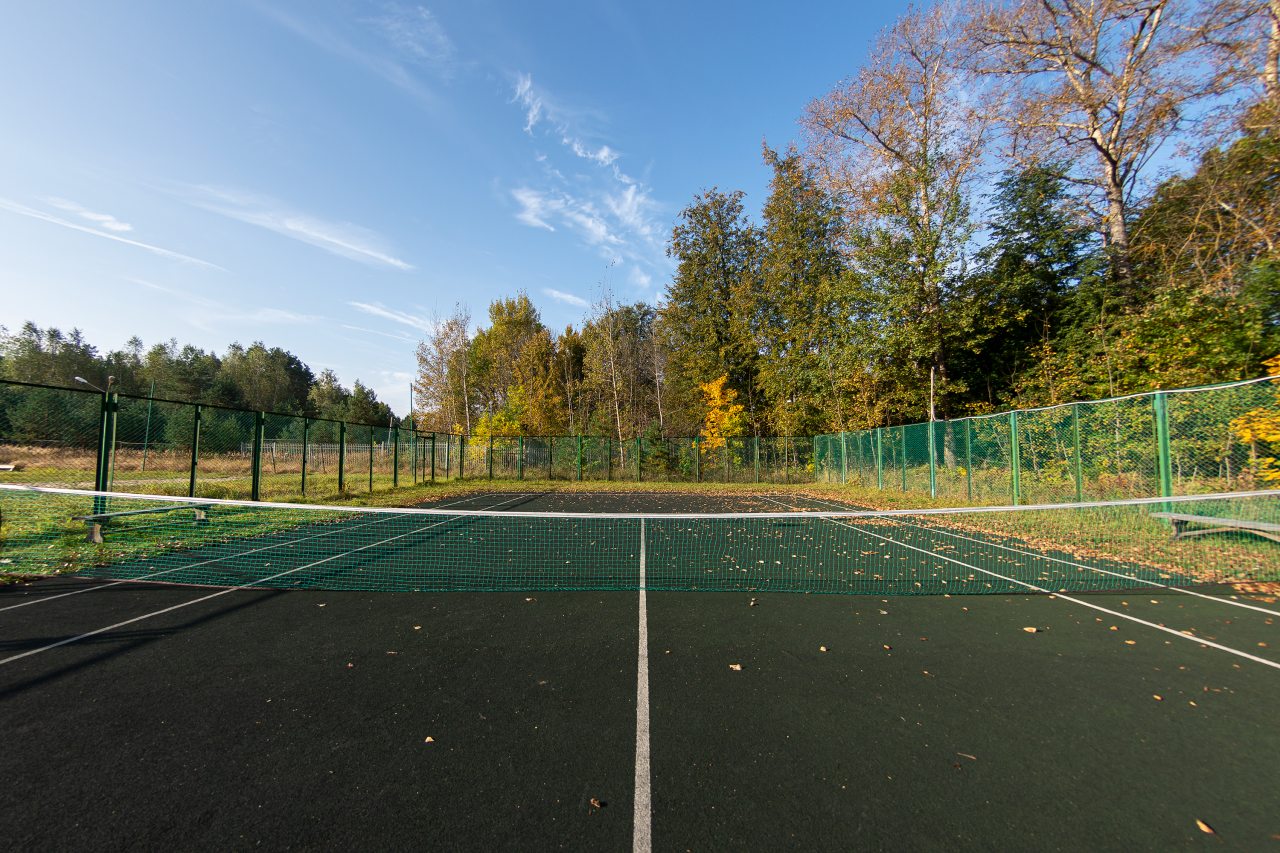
pixel 641 682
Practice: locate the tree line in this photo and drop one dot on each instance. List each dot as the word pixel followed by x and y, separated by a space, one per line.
pixel 1008 205
pixel 253 378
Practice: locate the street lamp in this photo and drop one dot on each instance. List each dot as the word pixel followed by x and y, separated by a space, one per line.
pixel 110 381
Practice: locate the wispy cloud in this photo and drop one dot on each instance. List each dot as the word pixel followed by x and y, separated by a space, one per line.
pixel 377 309
pixel 567 298
pixel 410 40
pixel 599 203
pixel 212 311
pixel 102 220
pixel 340 238
pixel 395 336
pixel 31 213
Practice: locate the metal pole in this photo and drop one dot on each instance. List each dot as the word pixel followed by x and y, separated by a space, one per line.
pixel 433 457
pixel 371 457
pixel 195 452
pixel 1164 458
pixel 608 456
pixel 342 455
pixel 490 457
pixel 786 460
pixel 146 436
pixel 639 459
pixel 755 452
pixel 902 431
pixel 697 458
pixel 844 459
pixel 880 458
pixel 1076 458
pixel 551 453
pixel 395 457
pixel 520 460
pixel 1015 459
pixel 968 456
pixel 255 489
pixel 933 461
pixel 579 457
pixel 462 457
pixel 306 441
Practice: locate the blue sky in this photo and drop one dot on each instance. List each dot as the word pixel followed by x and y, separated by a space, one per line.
pixel 328 177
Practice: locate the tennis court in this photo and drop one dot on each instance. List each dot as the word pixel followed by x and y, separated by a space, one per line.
pixel 643 671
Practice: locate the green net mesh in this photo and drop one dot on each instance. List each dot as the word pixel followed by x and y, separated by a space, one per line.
pixel 999 550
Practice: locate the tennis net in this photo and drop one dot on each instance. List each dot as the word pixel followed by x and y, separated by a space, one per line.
pixel 1079 547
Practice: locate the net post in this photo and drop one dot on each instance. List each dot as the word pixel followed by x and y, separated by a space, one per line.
pixel 933 461
pixel 520 459
pixel 1015 460
pixel 755 453
pixel 306 447
pixel 579 459
pixel 491 456
pixel 395 457
pixel 259 426
pixel 371 457
pixel 342 456
pixel 1164 461
pixel 1075 449
pixel 195 452
pixel 968 456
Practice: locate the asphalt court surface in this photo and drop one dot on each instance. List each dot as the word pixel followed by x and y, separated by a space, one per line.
pixel 300 718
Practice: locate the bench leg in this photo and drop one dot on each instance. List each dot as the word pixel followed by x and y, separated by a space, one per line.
pixel 1177 528
pixel 94 534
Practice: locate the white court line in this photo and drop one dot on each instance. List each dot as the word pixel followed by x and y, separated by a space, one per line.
pixel 1065 597
pixel 1216 598
pixel 94 633
pixel 642 834
pixel 185 566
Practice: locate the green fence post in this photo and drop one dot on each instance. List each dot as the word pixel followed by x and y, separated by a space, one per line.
pixel 880 458
pixel 1076 457
pixel 968 456
pixel 844 459
pixel 395 457
pixel 608 457
pixel 1164 460
pixel 306 441
pixel 259 426
pixel 370 457
pixel 697 458
pixel 639 458
pixel 755 452
pixel 101 464
pixel 726 460
pixel 195 452
pixel 462 457
pixel 902 431
pixel 1015 459
pixel 433 457
pixel 551 454
pixel 520 460
pixel 579 461
pixel 490 457
pixel 342 456
pixel 933 462
pixel 786 459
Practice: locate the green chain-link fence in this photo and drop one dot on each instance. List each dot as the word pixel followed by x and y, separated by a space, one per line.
pixel 1219 438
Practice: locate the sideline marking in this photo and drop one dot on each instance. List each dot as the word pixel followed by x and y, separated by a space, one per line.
pixel 1190 638
pixel 97 587
pixel 643 830
pixel 1040 556
pixel 68 640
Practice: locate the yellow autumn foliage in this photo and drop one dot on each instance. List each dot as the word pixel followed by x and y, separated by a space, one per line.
pixel 1262 426
pixel 724 416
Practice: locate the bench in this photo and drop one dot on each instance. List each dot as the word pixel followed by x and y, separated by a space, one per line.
pixel 1265 529
pixel 97 521
pixel 8 466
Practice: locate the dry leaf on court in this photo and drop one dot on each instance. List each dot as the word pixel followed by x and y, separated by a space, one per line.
pixel 1157 697
pixel 736 667
pixel 1204 827
pixel 1031 630
pixel 822 648
pixel 429 739
pixel 1131 642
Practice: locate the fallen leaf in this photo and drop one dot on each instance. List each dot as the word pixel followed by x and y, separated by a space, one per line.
pixel 1031 630
pixel 751 603
pixel 596 804
pixel 736 667
pixel 1157 697
pixel 417 627
pixel 350 665
pixel 1131 642
pixel 887 648
pixel 319 605
pixel 967 755
pixel 429 739
pixel 1204 827
pixel 822 648
pixel 392 653
pixel 1113 628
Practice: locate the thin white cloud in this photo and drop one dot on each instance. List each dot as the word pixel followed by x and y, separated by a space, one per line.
pixel 395 336
pixel 31 213
pixel 102 220
pixel 377 309
pixel 416 34
pixel 212 310
pixel 567 298
pixel 639 279
pixel 533 206
pixel 530 100
pixel 538 210
pixel 343 239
